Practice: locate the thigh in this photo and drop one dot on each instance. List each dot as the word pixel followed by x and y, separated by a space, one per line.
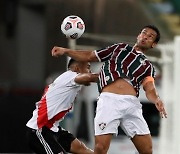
pixel 79 147
pixel 72 144
pixel 107 117
pixel 43 141
pixel 34 143
pixel 65 138
pixel 143 143
pixel 133 123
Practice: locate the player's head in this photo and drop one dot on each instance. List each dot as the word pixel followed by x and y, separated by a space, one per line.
pixel 154 28
pixel 70 63
pixel 80 67
pixel 148 37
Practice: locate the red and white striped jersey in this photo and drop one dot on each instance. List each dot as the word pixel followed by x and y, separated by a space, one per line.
pixel 56 101
pixel 123 61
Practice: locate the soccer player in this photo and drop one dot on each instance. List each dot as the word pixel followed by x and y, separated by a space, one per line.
pixel 45 136
pixel 125 69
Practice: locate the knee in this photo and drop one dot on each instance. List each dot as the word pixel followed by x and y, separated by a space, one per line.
pixel 146 150
pixel 100 149
pixel 79 147
pixel 84 148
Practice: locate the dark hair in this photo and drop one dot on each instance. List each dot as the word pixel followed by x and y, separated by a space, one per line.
pixel 156 30
pixel 71 61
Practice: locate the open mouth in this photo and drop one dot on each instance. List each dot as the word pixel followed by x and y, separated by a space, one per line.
pixel 143 42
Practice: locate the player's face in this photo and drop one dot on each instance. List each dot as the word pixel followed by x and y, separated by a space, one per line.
pixel 84 67
pixel 146 38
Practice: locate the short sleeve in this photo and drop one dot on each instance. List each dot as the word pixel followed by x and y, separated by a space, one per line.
pixel 106 53
pixel 151 71
pixel 149 75
pixel 73 80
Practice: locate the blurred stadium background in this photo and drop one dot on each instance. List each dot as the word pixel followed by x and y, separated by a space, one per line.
pixel 30 28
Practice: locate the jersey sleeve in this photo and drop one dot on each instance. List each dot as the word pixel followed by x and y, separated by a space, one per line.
pixel 67 78
pixel 150 75
pixel 106 53
pixel 151 71
pixel 74 75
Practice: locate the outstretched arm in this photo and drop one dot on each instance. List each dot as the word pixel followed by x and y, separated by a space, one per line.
pixel 86 78
pixel 79 55
pixel 152 96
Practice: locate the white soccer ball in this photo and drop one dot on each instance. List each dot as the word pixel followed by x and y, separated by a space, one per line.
pixel 73 27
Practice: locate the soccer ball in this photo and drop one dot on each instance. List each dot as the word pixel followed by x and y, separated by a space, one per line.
pixel 73 27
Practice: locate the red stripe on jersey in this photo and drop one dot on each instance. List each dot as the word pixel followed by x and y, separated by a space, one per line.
pixel 107 52
pixel 126 63
pixel 42 110
pixel 57 117
pixel 138 71
pixel 113 70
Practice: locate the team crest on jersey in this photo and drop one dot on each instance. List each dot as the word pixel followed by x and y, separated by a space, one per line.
pixel 107 78
pixel 142 61
pixel 102 125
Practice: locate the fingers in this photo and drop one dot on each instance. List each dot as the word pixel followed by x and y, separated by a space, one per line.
pixel 54 52
pixel 163 114
pixel 162 110
pixel 57 51
pixel 160 106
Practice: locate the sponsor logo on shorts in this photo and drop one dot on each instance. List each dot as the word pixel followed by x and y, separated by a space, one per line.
pixel 102 125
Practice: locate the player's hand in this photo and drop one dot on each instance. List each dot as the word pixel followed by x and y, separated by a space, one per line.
pixel 57 51
pixel 160 106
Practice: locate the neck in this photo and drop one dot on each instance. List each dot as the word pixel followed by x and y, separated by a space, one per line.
pixel 136 47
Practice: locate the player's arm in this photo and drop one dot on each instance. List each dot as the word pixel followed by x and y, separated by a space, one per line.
pixel 79 55
pixel 152 95
pixel 86 78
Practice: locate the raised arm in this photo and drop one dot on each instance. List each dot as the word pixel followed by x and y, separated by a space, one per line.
pixel 79 55
pixel 152 96
pixel 86 78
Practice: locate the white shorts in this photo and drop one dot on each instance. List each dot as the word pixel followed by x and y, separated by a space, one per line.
pixel 115 110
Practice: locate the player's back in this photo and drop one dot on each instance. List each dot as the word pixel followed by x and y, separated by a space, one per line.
pixel 58 97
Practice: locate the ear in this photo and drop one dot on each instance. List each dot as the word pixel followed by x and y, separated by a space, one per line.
pixel 153 45
pixel 137 36
pixel 76 68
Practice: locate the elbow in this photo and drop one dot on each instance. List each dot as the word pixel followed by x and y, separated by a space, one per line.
pixel 91 57
pixel 92 78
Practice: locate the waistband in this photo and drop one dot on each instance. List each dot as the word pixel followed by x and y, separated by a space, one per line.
pixel 118 96
pixel 31 129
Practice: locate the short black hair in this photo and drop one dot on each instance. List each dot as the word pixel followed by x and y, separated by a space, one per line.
pixel 71 61
pixel 156 30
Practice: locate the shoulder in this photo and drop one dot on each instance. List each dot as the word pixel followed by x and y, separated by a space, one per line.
pixel 68 75
pixel 121 45
pixel 71 74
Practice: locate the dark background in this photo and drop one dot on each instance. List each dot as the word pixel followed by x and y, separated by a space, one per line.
pixel 28 31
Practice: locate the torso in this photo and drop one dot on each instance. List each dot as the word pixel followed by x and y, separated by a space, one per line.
pixel 123 61
pixel 56 102
pixel 120 86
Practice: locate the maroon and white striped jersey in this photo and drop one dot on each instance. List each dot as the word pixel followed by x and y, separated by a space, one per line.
pixel 123 61
pixel 56 101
